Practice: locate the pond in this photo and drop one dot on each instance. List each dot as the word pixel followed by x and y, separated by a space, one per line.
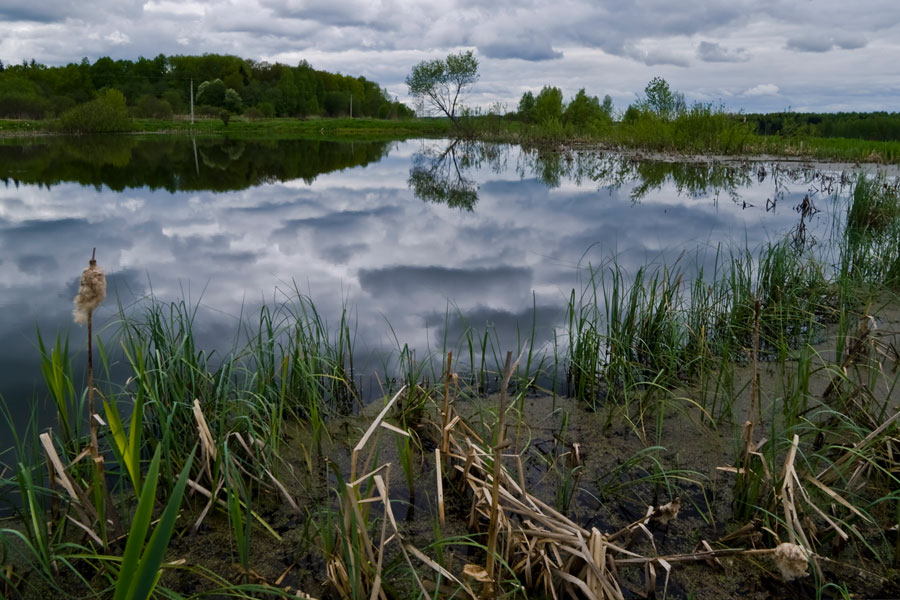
pixel 419 240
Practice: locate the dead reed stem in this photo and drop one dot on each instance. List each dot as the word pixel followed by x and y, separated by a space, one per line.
pixel 445 410
pixel 754 384
pixel 499 441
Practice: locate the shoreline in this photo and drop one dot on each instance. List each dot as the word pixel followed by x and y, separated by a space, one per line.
pixel 819 151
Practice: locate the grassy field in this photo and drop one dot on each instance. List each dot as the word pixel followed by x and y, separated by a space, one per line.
pixel 747 416
pixel 275 128
pixel 345 129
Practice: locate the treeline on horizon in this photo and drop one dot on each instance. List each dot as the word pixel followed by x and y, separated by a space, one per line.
pixel 160 87
pixel 876 126
pixel 664 105
pixel 104 95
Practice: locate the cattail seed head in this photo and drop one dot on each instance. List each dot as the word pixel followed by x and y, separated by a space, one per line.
pixel 91 292
pixel 791 560
pixel 668 511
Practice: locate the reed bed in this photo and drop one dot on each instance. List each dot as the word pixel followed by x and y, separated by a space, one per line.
pixel 269 450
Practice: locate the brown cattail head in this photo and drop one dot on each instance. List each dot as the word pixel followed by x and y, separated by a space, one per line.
pixel 91 292
pixel 668 511
pixel 791 560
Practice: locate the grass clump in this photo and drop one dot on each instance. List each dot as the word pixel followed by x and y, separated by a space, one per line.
pixel 871 242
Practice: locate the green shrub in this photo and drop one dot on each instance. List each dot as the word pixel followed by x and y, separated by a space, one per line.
pixel 23 106
pixel 104 114
pixel 233 102
pixel 175 101
pixel 207 110
pixel 267 109
pixel 151 107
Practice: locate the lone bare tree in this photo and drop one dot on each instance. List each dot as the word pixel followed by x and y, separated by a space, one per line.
pixel 442 82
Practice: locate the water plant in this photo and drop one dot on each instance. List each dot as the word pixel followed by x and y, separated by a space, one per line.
pixel 138 574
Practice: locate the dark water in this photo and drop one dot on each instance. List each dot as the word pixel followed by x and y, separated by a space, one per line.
pixel 402 233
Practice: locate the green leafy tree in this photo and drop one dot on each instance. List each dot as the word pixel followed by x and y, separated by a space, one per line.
pixel 661 100
pixel 105 72
pixel 211 93
pixel 526 107
pixel 548 105
pixel 442 82
pixel 290 96
pixel 232 101
pixel 175 100
pixel 607 106
pixel 336 103
pixel 585 112
pixel 235 81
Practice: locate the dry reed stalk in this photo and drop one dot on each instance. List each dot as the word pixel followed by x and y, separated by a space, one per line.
pixel 499 441
pixel 754 383
pixel 547 549
pixel 354 457
pixel 831 472
pixel 79 498
pixel 445 410
pixel 855 350
pixel 207 443
pixel 440 486
pixel 355 524
pixel 792 520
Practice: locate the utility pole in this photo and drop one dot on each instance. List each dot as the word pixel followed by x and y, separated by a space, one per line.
pixel 192 100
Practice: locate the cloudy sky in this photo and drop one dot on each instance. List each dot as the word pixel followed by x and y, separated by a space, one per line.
pixel 759 55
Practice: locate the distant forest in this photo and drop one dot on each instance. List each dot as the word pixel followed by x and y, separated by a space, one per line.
pixel 875 126
pixel 160 87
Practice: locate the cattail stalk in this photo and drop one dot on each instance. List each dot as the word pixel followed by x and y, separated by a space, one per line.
pixel 91 293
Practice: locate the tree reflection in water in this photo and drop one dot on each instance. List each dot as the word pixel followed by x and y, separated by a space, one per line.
pixel 445 172
pixel 178 163
pixel 440 176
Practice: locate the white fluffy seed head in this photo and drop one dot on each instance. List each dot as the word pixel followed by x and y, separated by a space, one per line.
pixel 91 292
pixel 791 560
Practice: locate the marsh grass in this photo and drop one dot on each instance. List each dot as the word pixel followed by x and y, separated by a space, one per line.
pixel 871 244
pixel 56 368
pixel 662 347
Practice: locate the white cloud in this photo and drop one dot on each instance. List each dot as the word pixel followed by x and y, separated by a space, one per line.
pixel 763 89
pixel 118 38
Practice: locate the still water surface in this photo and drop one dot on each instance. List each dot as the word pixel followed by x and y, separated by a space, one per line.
pixel 400 232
